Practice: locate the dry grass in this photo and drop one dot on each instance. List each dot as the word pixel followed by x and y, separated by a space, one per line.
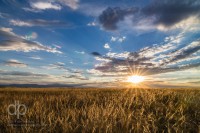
pixel 103 110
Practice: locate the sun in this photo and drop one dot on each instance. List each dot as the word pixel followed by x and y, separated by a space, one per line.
pixel 136 79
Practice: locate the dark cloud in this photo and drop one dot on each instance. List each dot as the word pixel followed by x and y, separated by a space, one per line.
pixel 158 12
pixel 170 12
pixel 96 54
pixel 6 33
pixel 111 16
pixel 19 73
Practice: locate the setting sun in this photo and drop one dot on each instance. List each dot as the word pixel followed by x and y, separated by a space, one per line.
pixel 135 79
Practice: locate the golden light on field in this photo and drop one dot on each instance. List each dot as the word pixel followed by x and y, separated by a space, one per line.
pixel 136 79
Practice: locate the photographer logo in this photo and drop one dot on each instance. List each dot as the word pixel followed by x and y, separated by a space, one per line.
pixel 17 109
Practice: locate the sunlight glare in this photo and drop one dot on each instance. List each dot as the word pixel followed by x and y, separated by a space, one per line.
pixel 135 79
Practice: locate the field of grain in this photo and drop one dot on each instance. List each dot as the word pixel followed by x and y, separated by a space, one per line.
pixel 101 110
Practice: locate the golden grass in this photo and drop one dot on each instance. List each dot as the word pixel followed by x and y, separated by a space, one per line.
pixel 103 110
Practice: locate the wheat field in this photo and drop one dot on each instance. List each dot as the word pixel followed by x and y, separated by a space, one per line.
pixel 101 110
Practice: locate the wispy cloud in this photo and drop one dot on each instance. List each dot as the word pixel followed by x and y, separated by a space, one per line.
pixel 92 24
pixel 14 63
pixel 73 4
pixel 119 39
pixel 80 52
pixel 14 42
pixel 41 5
pixel 142 60
pixel 4 15
pixel 21 73
pixel 45 6
pixel 38 22
pixel 76 76
pixel 57 65
pixel 36 57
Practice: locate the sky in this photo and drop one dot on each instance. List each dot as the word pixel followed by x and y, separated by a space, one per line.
pixel 100 43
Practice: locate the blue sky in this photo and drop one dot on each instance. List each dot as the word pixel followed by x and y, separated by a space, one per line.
pixel 89 43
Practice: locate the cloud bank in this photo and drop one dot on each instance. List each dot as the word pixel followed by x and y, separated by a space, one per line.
pixel 13 42
pixel 162 15
pixel 164 60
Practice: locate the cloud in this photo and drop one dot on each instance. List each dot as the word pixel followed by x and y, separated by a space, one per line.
pixel 20 73
pixel 113 39
pixel 92 24
pixel 169 12
pixel 73 4
pixel 106 46
pixel 8 33
pixel 119 39
pixel 4 15
pixel 58 65
pixel 80 52
pixel 38 22
pixel 90 9
pixel 111 16
pixel 149 62
pixel 13 42
pixel 40 5
pixel 32 35
pixel 184 52
pixel 96 54
pixel 161 15
pixel 118 55
pixel 25 46
pixel 15 63
pixel 122 39
pixel 80 77
pixel 36 58
pixel 45 6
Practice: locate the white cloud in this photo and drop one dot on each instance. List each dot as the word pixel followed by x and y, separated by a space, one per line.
pixel 37 22
pixel 119 39
pixel 106 46
pixel 113 39
pixel 45 6
pixel 80 52
pixel 118 55
pixel 91 24
pixel 32 35
pixel 31 10
pixel 36 58
pixel 122 39
pixel 20 23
